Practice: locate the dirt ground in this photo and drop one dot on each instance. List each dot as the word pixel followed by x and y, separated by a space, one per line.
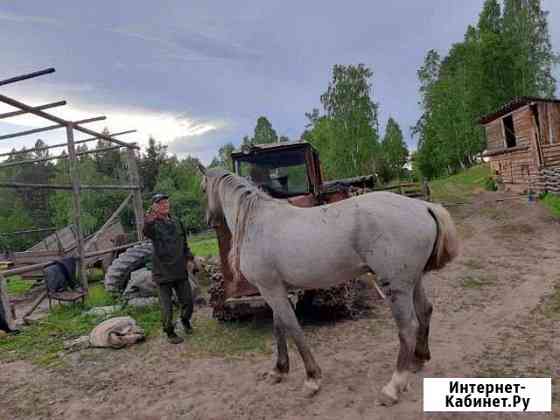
pixel 488 321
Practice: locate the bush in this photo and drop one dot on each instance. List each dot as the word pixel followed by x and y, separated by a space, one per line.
pixel 490 184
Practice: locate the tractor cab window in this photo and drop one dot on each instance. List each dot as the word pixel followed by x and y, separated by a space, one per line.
pixel 282 174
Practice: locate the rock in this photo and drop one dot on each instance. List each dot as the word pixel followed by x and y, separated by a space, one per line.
pixel 141 284
pixel 116 333
pixel 104 310
pixel 143 301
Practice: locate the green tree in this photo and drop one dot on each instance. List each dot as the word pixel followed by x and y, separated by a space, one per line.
pixel 264 133
pixel 394 151
pixel 223 159
pixel 150 164
pixel 507 54
pixel 347 135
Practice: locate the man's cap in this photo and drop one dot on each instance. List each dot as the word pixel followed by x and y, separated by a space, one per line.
pixel 156 198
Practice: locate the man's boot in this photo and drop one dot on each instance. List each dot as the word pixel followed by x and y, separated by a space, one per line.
pixel 187 327
pixel 174 338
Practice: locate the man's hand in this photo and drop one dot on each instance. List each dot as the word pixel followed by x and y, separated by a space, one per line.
pixel 153 213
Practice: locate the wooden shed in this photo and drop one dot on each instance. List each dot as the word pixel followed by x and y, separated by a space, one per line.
pixel 523 143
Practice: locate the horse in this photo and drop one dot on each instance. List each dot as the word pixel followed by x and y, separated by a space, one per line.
pixel 277 246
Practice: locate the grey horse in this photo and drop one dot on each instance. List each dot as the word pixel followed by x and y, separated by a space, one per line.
pixel 277 246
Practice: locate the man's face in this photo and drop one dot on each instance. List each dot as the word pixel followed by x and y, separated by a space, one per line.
pixel 163 207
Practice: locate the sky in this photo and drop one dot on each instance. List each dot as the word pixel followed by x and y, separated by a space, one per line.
pixel 197 74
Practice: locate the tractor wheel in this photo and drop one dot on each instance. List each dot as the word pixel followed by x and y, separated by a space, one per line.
pixel 134 258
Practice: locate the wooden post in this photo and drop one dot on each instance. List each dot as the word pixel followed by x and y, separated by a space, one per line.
pixel 5 303
pixel 74 175
pixel 134 179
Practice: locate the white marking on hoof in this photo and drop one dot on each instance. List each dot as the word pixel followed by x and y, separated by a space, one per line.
pixel 390 392
pixel 311 387
pixel 388 397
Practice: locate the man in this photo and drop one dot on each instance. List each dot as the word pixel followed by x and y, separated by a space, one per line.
pixel 169 264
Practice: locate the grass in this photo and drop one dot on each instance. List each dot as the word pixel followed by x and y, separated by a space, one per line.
pixel 42 341
pixel 204 245
pixel 214 338
pixel 552 203
pixel 460 187
pixel 477 282
pixel 17 286
pixel 552 305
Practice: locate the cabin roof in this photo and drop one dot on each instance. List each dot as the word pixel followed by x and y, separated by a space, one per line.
pixel 512 105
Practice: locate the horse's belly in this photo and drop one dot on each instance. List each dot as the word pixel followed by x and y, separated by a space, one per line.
pixel 316 276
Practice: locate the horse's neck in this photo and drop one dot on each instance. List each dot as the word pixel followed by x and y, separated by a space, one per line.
pixel 230 209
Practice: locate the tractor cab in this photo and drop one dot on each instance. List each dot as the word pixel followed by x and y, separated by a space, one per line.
pixel 288 170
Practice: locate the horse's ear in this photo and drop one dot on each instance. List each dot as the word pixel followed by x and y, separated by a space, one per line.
pixel 202 169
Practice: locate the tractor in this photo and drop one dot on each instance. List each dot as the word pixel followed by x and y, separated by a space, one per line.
pixel 289 171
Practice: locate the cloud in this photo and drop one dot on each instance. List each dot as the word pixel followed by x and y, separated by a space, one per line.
pixel 163 126
pixel 189 45
pixel 11 17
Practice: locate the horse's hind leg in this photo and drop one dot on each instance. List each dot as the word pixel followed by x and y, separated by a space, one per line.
pixel 403 311
pixel 277 299
pixel 423 309
pixel 282 366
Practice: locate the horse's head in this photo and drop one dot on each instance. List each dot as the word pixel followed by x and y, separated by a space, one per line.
pixel 214 214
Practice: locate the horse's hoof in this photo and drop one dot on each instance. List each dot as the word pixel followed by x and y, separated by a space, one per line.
pixel 275 377
pixel 311 387
pixel 387 397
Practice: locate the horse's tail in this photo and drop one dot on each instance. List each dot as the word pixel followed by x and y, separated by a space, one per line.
pixel 446 246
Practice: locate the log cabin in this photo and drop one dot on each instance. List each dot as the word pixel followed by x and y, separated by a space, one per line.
pixel 523 143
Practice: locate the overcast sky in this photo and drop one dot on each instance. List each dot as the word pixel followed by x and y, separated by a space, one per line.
pixel 198 74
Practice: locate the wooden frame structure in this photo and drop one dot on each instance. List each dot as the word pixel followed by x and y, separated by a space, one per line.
pixel 71 127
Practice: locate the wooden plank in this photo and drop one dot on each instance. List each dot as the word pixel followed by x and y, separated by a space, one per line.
pixel 74 175
pixel 108 223
pixel 22 106
pixel 48 128
pixel 18 152
pixel 66 187
pixel 46 106
pixel 134 178
pixel 5 302
pixel 27 76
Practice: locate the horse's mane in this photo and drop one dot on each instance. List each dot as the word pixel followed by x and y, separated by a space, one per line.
pixel 245 197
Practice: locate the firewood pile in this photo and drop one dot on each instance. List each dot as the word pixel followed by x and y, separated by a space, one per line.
pixel 551 180
pixel 349 300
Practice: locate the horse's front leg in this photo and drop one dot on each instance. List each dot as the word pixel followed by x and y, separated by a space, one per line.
pixel 277 298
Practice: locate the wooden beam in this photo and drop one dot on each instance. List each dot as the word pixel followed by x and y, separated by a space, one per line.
pixel 27 76
pixel 45 159
pixel 5 302
pixel 27 268
pixel 48 128
pixel 23 232
pixel 107 251
pixel 22 106
pixel 46 106
pixel 108 223
pixel 19 152
pixel 74 175
pixel 37 302
pixel 134 179
pixel 67 187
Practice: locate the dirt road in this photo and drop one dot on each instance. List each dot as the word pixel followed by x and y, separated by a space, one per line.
pixel 490 319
